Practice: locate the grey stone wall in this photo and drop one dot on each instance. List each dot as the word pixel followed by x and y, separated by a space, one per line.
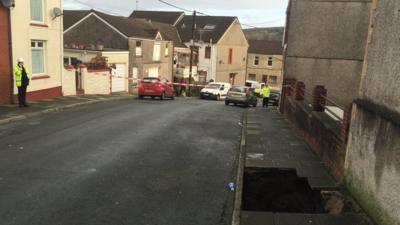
pixel 373 162
pixel 326 45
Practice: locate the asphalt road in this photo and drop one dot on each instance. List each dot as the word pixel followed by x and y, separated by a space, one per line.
pixel 124 162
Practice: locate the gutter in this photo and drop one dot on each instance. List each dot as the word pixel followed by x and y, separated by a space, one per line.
pixel 11 57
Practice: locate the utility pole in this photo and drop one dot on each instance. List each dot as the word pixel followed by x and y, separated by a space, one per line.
pixel 191 51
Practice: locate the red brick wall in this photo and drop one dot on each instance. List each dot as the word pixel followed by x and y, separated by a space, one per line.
pixel 321 133
pixel 42 94
pixel 5 70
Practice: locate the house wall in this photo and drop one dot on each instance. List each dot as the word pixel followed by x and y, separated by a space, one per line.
pixel 263 69
pixel 84 56
pixel 5 70
pixel 47 85
pixel 145 62
pixel 372 165
pixel 233 39
pixel 326 45
pixel 93 31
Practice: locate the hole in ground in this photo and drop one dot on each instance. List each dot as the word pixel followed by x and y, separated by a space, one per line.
pixel 277 190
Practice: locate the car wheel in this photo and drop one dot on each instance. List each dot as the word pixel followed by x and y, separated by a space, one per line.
pixel 152 97
pixel 235 104
pixel 226 103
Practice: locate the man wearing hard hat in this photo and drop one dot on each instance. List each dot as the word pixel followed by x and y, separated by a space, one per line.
pixel 22 82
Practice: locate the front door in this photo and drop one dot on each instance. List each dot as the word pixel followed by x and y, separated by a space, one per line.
pixel 232 78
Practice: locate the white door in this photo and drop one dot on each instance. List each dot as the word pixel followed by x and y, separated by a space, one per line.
pixel 153 72
pixel 118 80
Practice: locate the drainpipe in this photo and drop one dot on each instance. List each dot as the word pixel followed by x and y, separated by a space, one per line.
pixel 11 57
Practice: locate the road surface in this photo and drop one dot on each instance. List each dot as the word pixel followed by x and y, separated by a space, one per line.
pixel 124 162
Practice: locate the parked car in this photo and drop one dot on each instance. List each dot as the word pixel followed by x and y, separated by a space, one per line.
pixel 241 95
pixel 274 97
pixel 154 87
pixel 257 86
pixel 215 91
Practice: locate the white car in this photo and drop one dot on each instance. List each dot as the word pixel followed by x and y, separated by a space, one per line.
pixel 215 90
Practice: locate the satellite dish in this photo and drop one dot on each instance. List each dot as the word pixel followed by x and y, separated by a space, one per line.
pixel 8 3
pixel 57 12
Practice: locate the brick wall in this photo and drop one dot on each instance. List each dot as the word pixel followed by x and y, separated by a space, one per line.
pixel 5 70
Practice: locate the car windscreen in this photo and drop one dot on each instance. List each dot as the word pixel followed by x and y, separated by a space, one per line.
pixel 213 86
pixel 238 89
pixel 151 80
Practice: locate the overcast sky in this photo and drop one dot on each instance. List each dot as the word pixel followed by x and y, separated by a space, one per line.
pixel 259 13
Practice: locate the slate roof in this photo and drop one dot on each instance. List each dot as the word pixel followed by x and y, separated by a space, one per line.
pixel 265 47
pixel 70 17
pixel 168 17
pixel 220 23
pixel 130 27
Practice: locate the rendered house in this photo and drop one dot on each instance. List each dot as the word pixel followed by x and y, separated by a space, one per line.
pixel 265 62
pixel 221 48
pixel 36 27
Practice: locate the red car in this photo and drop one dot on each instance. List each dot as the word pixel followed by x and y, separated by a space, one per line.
pixel 154 87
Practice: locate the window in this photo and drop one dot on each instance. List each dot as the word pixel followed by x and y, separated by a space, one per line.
pixel 256 60
pixel 270 61
pixel 156 51
pixel 37 48
pixel 230 56
pixel 265 78
pixel 209 27
pixel 252 77
pixel 207 53
pixel 166 53
pixel 273 79
pixel 196 53
pixel 138 48
pixel 37 11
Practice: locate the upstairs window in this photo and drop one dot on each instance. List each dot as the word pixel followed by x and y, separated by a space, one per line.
pixel 37 11
pixel 166 53
pixel 270 61
pixel 138 48
pixel 230 57
pixel 273 79
pixel 256 60
pixel 207 53
pixel 157 51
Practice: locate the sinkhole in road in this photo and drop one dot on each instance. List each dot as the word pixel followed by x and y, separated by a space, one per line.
pixel 277 190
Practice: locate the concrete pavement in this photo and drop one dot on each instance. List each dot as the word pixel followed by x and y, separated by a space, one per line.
pixel 121 162
pixel 272 149
pixel 10 113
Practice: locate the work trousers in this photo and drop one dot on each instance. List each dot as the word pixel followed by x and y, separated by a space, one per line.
pixel 22 95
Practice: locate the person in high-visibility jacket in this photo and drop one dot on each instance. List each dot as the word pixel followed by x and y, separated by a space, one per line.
pixel 266 92
pixel 21 76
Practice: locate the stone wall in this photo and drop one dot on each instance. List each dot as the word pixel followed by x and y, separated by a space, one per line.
pixel 372 171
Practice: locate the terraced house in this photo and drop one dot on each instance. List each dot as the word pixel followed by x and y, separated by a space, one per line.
pixel 36 28
pixel 220 47
pixel 265 62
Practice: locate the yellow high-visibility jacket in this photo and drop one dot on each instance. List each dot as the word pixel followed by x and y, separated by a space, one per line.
pixel 18 75
pixel 266 92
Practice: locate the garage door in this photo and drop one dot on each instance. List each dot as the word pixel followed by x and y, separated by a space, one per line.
pixel 118 83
